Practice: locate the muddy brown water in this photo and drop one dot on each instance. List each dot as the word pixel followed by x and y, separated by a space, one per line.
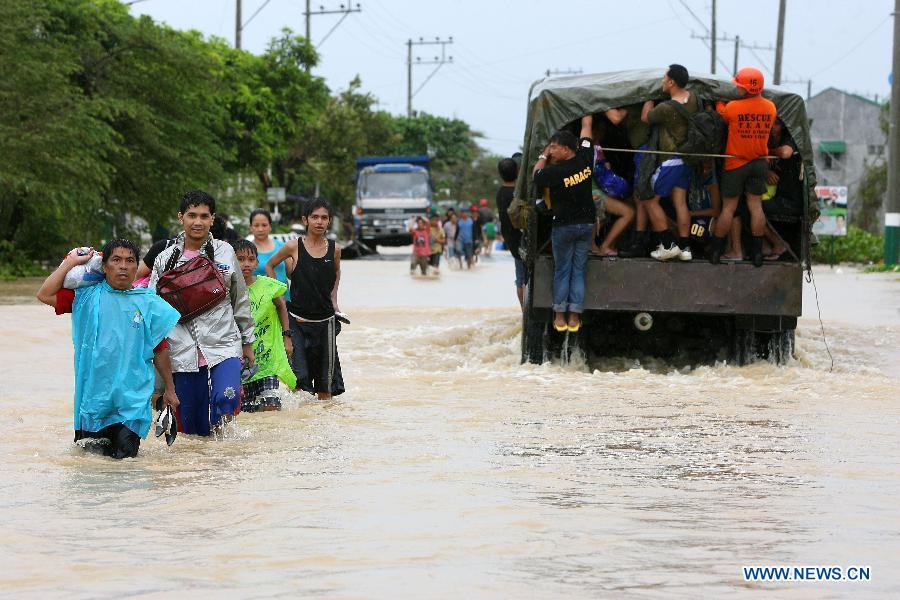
pixel 450 470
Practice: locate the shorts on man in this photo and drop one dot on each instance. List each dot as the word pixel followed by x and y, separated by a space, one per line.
pixel 671 174
pixel 749 178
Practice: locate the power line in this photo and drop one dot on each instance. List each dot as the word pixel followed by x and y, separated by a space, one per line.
pixel 693 14
pixel 851 50
pixel 808 83
pixel 247 22
pixel 438 61
pixel 344 11
pixel 738 44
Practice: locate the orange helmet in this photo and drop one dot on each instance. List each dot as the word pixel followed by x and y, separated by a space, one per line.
pixel 750 79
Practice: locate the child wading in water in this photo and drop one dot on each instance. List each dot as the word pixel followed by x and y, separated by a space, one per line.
pixel 313 303
pixel 273 334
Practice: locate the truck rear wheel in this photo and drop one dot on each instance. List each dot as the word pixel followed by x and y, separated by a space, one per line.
pixel 743 347
pixel 777 347
pixel 533 332
pixel 747 345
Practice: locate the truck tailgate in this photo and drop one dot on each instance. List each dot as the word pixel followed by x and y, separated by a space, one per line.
pixel 693 287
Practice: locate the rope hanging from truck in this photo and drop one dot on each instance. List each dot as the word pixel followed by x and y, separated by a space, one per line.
pixel 700 154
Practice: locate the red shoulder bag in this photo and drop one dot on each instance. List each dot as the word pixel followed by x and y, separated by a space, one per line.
pixel 192 288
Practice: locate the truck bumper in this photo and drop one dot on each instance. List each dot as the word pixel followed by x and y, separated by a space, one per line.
pixel 647 285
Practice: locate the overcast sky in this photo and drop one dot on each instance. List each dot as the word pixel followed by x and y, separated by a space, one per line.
pixel 500 47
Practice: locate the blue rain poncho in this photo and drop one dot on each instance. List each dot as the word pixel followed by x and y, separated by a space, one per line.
pixel 114 333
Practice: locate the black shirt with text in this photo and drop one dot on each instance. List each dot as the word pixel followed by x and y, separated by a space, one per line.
pixel 569 185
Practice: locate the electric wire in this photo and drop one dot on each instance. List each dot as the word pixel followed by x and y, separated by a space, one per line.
pixel 853 48
pixel 247 22
pixel 811 279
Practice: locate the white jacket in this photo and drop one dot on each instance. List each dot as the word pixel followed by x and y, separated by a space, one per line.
pixel 220 331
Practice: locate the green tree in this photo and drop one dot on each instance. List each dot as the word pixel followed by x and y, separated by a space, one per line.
pixel 873 186
pixel 155 87
pixel 270 101
pixel 872 190
pixel 448 142
pixel 346 129
pixel 52 146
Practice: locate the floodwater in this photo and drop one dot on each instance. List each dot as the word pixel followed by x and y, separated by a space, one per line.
pixel 449 470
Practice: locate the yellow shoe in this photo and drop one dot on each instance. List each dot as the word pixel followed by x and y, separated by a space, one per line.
pixel 574 328
pixel 561 328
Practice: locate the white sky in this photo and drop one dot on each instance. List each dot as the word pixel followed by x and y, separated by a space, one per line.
pixel 500 47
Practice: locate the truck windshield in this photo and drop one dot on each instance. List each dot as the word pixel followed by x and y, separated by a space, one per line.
pixel 393 185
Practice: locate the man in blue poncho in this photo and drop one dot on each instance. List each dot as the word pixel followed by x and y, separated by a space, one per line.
pixel 119 334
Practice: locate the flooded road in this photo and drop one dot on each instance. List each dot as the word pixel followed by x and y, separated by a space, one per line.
pixel 450 470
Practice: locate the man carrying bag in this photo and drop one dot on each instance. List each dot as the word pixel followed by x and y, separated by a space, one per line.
pixel 216 328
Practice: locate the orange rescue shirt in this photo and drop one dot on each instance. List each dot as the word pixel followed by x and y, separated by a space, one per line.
pixel 749 122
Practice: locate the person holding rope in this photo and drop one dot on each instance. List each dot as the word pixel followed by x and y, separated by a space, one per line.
pixel 313 303
pixel 672 179
pixel 628 118
pixel 564 170
pixel 749 121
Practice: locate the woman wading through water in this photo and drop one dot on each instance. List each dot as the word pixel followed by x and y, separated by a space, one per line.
pixel 266 247
pixel 313 303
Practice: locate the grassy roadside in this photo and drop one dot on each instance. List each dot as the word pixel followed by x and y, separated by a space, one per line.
pixel 20 291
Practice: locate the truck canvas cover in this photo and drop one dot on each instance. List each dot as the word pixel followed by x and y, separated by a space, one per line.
pixel 554 103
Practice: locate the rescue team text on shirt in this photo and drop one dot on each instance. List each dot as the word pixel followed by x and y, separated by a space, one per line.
pixel 754 125
pixel 577 177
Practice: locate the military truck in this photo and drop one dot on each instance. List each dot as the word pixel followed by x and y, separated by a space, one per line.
pixel 636 307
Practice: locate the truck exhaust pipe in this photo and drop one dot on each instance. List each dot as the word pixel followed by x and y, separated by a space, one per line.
pixel 643 321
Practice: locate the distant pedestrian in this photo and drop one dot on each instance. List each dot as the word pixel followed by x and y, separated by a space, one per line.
pixel 438 238
pixel 465 238
pixel 421 242
pixel 451 227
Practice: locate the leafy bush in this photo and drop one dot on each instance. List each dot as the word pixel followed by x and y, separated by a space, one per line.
pixel 858 246
pixel 882 269
pixel 14 263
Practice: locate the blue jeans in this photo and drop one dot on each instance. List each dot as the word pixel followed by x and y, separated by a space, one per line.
pixel 521 273
pixel 571 245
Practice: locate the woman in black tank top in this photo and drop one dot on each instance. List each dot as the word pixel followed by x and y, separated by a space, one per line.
pixel 311 284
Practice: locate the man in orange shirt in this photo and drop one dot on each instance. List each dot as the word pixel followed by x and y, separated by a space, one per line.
pixel 749 121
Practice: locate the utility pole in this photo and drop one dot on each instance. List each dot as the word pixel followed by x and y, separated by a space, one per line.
pixel 808 83
pixel 737 48
pixel 308 15
pixel 237 26
pixel 555 72
pixel 712 41
pixel 344 11
pixel 438 60
pixel 738 44
pixel 779 42
pixel 892 202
